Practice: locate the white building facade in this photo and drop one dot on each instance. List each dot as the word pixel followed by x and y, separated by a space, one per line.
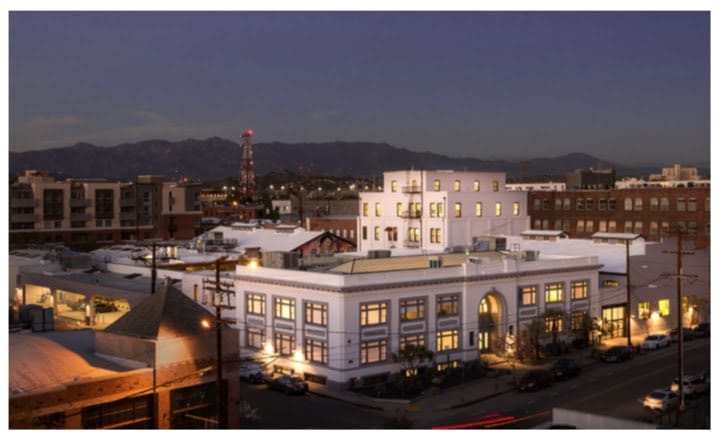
pixel 341 328
pixel 434 210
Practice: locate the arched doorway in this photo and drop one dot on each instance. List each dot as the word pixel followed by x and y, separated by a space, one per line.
pixel 490 323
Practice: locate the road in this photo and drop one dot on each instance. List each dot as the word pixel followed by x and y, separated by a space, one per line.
pixel 615 390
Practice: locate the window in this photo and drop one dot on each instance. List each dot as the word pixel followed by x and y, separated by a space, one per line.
pixel 590 226
pixel 627 226
pixel 316 313
pixel 545 224
pixel 612 226
pixel 554 292
pixel 374 351
pixel 638 226
pixel 558 224
pixel 435 235
pixel 417 340
pixel 553 324
pixel 536 204
pixel 412 308
pixel 498 209
pixel 364 232
pixel 536 225
pixel 706 204
pixel 665 227
pixel 365 211
pixel 285 308
pixel 457 185
pixel 580 226
pixel 477 185
pixel 316 351
pixel 432 209
pixel 602 205
pixel 377 233
pixel 437 185
pixel 663 204
pixel 612 205
pixel 255 337
pixel 284 344
pixel 393 234
pixel 692 204
pixel 627 204
pixel 643 310
pixel 399 209
pixel 104 204
pixel 610 283
pixel 590 204
pixel 495 186
pixel 440 209
pixel 516 208
pixel 478 209
pixel 256 304
pixel 545 204
pixel 567 204
pixel 664 307
pixel 447 305
pixel 447 340
pixel 527 295
pixel 413 234
pixel 653 204
pixel 373 314
pixel 638 204
pixel 692 227
pixel 566 225
pixel 653 227
pixel 577 319
pixel 681 204
pixel 457 209
pixel 394 186
pixel 602 226
pixel 557 204
pixel 580 204
pixel 579 290
pixel 377 209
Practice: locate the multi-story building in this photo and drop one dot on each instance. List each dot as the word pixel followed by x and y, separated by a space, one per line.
pixel 342 325
pixel 591 179
pixel 90 212
pixel 653 212
pixel 434 210
pixel 676 173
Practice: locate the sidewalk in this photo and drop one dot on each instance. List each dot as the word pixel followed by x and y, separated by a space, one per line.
pixel 501 379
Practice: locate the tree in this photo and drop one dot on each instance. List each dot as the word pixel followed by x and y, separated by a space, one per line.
pixel 411 357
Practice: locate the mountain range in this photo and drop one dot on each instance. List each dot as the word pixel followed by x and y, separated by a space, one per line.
pixel 216 158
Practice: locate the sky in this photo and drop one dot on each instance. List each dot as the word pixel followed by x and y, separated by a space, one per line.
pixel 629 87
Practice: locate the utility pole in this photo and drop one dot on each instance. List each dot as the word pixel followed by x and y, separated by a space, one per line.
pixel 680 331
pixel 629 301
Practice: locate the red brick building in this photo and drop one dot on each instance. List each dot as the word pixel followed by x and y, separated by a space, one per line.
pixel 653 212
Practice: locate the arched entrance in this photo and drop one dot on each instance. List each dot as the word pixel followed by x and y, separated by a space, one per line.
pixel 490 323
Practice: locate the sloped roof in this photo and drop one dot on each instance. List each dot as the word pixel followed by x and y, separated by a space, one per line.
pixel 282 239
pixel 166 314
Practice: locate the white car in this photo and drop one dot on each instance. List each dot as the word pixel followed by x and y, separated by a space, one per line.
pixel 693 385
pixel 661 400
pixel 653 342
pixel 252 372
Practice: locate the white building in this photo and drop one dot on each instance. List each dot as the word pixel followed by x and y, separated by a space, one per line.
pixel 435 210
pixel 342 325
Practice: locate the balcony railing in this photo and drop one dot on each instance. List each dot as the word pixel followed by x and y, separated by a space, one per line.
pixel 24 217
pixel 411 189
pixel 410 214
pixel 127 202
pixel 80 202
pixel 24 202
pixel 79 217
pixel 412 244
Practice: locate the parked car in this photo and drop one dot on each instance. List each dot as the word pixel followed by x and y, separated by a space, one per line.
pixel 535 379
pixel 617 354
pixel 661 400
pixel 251 372
pixel 692 385
pixel 702 330
pixel 654 342
pixel 289 384
pixel 565 368
pixel 687 335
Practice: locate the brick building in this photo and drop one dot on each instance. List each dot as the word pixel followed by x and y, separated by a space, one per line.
pixel 653 212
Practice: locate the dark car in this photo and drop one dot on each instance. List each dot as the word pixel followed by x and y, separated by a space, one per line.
pixel 566 368
pixel 535 379
pixel 687 335
pixel 702 330
pixel 617 354
pixel 289 385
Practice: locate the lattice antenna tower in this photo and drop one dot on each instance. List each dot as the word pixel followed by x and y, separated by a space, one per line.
pixel 248 176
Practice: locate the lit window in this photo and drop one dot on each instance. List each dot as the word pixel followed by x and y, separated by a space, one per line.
pixel 612 226
pixel 284 344
pixel 590 226
pixel 664 307
pixel 527 295
pixel 447 305
pixel 627 204
pixel 256 304
pixel 412 308
pixel 440 209
pixel 432 209
pixel 373 313
pixel 378 209
pixel 255 337
pixel 579 289
pixel 477 185
pixel 316 314
pixel 285 308
pixel 553 324
pixel 394 186
pixel 567 204
pixel 643 310
pixel 653 204
pixel 628 226
pixel 602 226
pixel 498 209
pixel 365 209
pixel 638 204
pixel 399 209
pixel 478 209
pixel 554 292
pixel 457 185
pixel 653 227
pixel 374 351
pixel 638 227
pixel 517 208
pixel 580 226
pixel 377 233
pixel 316 351
pixel 447 340
pixel 413 234
pixel 416 340
pixel 495 186
pixel 663 204
pixel 457 209
pixel 437 185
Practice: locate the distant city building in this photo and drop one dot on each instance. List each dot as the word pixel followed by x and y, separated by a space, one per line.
pixel 676 173
pixel 434 210
pixel 341 225
pixel 590 179
pixel 92 212
pixel 654 212
pixel 527 187
pixel 637 183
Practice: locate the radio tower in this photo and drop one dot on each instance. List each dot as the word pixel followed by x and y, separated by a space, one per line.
pixel 248 177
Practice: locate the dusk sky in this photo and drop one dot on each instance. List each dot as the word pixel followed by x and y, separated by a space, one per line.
pixel 630 87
